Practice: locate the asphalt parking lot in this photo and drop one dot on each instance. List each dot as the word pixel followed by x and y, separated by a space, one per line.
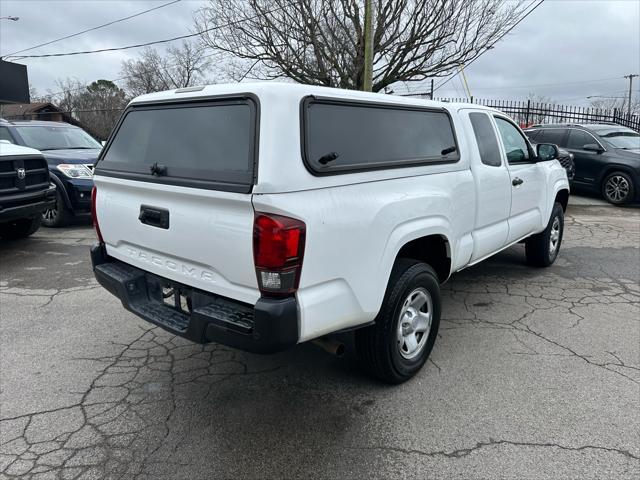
pixel 536 374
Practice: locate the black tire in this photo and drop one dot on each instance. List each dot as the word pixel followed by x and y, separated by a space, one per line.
pixel 378 345
pixel 618 188
pixel 539 248
pixel 20 228
pixel 58 216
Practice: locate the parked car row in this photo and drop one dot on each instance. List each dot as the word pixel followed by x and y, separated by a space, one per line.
pixel 606 156
pixel 70 154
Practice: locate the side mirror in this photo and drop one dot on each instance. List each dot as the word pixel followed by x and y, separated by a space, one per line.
pixel 547 151
pixel 592 147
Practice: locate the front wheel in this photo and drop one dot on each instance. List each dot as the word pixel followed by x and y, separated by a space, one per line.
pixel 617 188
pixel 542 249
pixel 58 215
pixel 398 344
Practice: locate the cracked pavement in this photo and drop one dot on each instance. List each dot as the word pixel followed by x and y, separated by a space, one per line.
pixel 536 374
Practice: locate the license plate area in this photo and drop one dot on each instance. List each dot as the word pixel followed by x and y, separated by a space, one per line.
pixel 173 295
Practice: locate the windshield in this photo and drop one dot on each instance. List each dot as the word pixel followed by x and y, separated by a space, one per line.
pixel 628 140
pixel 620 137
pixel 56 138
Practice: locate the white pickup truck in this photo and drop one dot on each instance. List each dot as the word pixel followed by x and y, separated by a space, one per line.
pixel 264 215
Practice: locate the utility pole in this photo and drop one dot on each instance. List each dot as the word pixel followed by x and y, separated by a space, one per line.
pixel 630 77
pixel 367 81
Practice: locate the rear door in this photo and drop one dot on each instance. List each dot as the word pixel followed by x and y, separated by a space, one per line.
pixel 173 193
pixel 588 162
pixel 528 189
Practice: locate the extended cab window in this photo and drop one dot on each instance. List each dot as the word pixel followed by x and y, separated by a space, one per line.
pixel 208 145
pixel 486 139
pixel 515 145
pixel 344 136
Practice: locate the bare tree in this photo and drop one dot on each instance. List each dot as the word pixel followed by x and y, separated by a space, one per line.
pixel 618 103
pixel 96 106
pixel 321 42
pixel 542 102
pixel 182 66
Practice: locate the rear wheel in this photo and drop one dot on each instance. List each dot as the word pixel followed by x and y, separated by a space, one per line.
pixel 618 188
pixel 398 344
pixel 542 249
pixel 20 228
pixel 58 215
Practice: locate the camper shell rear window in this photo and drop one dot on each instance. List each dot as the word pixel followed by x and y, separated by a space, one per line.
pixel 209 144
pixel 342 136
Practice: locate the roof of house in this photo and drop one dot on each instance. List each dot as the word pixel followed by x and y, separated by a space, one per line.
pixel 27 108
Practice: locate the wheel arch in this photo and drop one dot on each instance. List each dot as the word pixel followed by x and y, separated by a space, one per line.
pixel 432 249
pixel 609 169
pixel 63 191
pixel 562 197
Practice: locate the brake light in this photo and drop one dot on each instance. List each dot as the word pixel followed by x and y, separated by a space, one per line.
pixel 94 217
pixel 278 250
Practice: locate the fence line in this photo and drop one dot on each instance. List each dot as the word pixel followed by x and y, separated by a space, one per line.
pixel 528 113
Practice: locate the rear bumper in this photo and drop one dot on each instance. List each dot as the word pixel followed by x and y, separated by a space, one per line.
pixel 26 205
pixel 271 325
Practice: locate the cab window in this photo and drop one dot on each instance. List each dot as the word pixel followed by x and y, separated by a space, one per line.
pixel 516 147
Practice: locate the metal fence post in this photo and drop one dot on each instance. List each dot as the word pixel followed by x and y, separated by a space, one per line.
pixel 527 113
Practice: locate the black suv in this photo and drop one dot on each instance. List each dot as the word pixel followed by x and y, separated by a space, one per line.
pixel 25 190
pixel 606 156
pixel 70 152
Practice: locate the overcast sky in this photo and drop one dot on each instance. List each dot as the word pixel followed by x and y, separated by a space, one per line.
pixel 565 50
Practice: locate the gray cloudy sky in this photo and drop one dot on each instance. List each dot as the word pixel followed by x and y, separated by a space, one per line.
pixel 565 50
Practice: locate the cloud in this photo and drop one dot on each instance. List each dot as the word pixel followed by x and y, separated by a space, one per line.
pixel 565 50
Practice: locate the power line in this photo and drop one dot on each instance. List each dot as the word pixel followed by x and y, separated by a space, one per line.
pixel 166 40
pixel 175 64
pixel 94 28
pixel 114 49
pixel 540 2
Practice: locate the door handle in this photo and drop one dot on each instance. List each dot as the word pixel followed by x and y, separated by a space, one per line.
pixel 154 217
pixel 517 181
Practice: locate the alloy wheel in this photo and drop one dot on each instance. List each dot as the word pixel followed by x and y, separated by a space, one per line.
pixel 554 237
pixel 616 189
pixel 414 323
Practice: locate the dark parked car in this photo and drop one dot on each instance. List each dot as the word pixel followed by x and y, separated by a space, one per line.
pixel 606 156
pixel 25 190
pixel 70 153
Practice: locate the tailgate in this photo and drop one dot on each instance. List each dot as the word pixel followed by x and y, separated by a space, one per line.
pixel 207 242
pixel 174 192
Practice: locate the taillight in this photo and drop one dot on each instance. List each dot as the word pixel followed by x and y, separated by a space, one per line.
pixel 94 217
pixel 278 249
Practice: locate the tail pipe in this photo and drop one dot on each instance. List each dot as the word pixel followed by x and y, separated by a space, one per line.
pixel 330 345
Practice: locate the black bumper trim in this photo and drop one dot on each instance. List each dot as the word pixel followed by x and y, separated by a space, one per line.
pixel 27 205
pixel 269 326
